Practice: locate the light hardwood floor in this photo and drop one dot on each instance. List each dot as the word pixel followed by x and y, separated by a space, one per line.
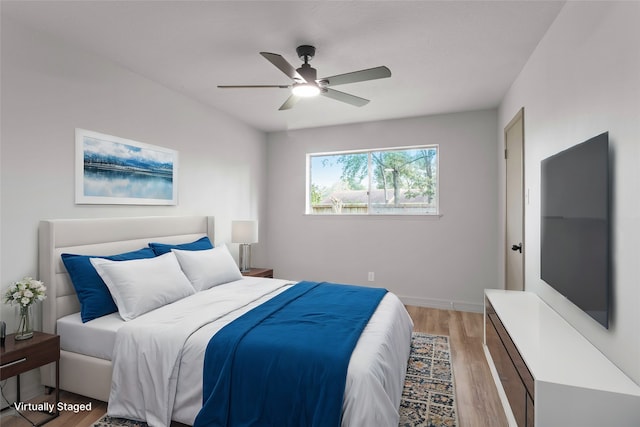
pixel 476 396
pixel 477 399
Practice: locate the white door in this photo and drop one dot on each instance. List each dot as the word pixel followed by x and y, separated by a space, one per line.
pixel 514 229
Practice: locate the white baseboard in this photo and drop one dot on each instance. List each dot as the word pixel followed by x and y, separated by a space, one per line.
pixel 443 304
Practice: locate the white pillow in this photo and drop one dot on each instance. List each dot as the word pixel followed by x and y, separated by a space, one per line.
pixel 141 285
pixel 208 268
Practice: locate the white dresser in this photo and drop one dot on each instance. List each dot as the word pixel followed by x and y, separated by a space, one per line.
pixel 550 374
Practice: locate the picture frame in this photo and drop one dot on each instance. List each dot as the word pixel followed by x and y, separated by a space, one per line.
pixel 114 170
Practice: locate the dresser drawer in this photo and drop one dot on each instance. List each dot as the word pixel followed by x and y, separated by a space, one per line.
pixel 18 357
pixel 511 349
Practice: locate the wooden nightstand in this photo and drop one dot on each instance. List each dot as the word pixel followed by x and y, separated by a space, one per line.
pixel 259 272
pixel 18 357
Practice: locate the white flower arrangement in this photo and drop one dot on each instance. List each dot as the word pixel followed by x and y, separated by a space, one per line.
pixel 25 292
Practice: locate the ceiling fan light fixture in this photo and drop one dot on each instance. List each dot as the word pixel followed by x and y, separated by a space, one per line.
pixel 305 90
pixel 306 83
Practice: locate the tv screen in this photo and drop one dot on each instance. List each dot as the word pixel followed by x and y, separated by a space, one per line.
pixel 574 253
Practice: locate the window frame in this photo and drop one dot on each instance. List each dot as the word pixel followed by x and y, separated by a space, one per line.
pixel 370 213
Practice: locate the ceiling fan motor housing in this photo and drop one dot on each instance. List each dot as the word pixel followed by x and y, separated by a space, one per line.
pixel 306 52
pixel 308 73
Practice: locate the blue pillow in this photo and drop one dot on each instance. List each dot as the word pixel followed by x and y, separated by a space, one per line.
pixel 95 298
pixel 199 245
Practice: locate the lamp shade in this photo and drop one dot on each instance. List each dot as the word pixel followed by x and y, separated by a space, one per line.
pixel 244 231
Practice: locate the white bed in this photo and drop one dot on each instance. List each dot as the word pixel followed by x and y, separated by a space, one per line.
pixel 380 356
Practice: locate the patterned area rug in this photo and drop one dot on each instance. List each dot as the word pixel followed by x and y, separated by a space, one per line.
pixel 428 395
pixel 428 398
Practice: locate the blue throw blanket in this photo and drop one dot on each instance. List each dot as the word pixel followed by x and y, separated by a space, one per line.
pixel 285 362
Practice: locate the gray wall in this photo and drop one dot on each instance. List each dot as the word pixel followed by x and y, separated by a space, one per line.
pixel 582 80
pixel 427 261
pixel 50 88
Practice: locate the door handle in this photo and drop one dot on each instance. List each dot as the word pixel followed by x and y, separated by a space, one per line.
pixel 517 247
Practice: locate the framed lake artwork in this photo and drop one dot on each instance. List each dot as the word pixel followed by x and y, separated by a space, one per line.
pixel 113 170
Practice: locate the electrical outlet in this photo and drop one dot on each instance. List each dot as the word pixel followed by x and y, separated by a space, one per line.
pixel 372 276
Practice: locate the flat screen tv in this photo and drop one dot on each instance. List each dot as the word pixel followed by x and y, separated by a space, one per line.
pixel 574 252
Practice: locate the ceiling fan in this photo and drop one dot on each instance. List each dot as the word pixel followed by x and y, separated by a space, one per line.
pixel 306 84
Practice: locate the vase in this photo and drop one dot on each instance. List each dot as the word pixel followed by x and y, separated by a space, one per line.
pixel 24 329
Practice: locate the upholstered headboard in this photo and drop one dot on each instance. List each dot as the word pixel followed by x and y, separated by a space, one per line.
pixel 104 236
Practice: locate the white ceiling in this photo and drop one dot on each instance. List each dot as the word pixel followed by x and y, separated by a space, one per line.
pixel 445 56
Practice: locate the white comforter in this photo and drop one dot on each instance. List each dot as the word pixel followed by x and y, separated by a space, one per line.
pixel 158 357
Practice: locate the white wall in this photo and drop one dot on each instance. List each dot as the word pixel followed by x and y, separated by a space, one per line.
pixel 427 261
pixel 49 89
pixel 584 79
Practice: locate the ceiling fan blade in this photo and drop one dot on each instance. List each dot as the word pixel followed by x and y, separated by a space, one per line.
pixel 345 97
pixel 289 103
pixel 358 76
pixel 282 65
pixel 251 86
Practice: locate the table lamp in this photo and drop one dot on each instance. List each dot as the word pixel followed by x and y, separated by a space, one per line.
pixel 244 233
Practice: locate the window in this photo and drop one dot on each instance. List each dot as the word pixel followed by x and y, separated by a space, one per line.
pixel 394 181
